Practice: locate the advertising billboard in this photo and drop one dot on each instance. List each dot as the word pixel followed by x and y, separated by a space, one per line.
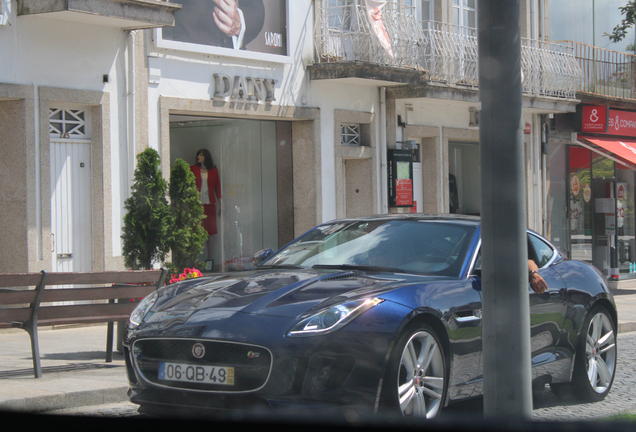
pixel 258 26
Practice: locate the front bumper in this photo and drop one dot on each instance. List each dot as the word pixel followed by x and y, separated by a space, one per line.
pixel 341 369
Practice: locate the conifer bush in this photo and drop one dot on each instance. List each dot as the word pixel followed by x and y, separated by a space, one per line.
pixel 148 221
pixel 188 235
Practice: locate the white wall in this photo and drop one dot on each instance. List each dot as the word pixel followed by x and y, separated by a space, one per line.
pixel 45 51
pixel 435 112
pixel 331 95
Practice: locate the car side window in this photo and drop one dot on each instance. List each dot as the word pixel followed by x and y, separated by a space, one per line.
pixel 477 265
pixel 542 251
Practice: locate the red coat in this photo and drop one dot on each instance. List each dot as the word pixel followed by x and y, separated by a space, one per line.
pixel 214 183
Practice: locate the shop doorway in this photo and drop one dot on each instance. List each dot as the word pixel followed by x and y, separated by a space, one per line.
pixel 464 178
pixel 253 161
pixel 598 224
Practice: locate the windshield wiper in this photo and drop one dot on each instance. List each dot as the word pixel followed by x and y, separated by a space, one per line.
pixel 358 267
pixel 282 266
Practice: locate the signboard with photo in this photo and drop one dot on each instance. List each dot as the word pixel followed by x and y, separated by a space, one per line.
pixel 400 177
pixel 247 25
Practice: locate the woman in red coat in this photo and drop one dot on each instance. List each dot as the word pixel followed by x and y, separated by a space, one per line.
pixel 208 184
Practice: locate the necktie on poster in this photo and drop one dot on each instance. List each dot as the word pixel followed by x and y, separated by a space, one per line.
pixel 374 11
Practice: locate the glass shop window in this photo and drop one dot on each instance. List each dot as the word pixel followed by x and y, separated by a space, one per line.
pixel 464 178
pixel 580 193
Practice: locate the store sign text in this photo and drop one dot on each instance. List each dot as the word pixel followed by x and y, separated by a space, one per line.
pixel 621 123
pixel 244 89
pixel 274 39
pixel 594 119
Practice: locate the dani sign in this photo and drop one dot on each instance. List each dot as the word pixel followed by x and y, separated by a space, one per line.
pixel 244 89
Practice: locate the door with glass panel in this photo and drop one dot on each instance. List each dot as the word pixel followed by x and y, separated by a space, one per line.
pixel 71 191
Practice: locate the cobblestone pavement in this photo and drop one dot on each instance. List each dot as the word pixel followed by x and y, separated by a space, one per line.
pixel 547 407
pixel 621 398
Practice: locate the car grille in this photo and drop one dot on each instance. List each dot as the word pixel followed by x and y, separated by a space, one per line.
pixel 252 364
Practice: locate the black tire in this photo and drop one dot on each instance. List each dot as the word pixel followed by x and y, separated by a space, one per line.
pixel 595 360
pixel 421 388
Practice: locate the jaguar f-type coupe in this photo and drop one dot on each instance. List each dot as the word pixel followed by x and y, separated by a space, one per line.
pixel 379 313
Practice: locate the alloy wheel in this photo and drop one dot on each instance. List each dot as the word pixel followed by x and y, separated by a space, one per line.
pixel 600 351
pixel 421 376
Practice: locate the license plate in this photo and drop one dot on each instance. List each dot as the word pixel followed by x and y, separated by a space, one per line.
pixel 222 375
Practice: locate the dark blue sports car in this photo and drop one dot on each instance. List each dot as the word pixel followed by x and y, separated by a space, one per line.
pixel 377 313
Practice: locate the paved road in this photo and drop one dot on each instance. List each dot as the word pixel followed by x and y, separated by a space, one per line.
pixel 547 407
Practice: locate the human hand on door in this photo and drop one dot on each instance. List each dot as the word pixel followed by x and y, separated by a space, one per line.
pixel 537 283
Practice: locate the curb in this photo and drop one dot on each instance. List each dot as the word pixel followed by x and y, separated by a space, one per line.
pixel 626 327
pixel 65 400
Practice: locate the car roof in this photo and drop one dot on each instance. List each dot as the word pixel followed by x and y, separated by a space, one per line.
pixel 464 219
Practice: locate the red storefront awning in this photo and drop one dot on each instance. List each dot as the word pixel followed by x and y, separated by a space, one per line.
pixel 624 150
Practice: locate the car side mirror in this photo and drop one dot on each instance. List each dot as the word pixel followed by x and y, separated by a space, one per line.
pixel 477 266
pixel 262 255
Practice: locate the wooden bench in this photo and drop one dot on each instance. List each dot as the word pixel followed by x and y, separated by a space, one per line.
pixel 27 308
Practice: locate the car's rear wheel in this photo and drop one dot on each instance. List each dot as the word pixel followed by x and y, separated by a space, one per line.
pixel 416 376
pixel 595 363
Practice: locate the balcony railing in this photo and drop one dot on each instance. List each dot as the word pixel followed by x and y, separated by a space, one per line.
pixel 605 72
pixel 449 53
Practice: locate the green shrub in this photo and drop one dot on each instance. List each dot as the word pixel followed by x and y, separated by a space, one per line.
pixel 148 222
pixel 188 235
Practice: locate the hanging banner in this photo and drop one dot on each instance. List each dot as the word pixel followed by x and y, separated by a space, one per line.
pixel 374 11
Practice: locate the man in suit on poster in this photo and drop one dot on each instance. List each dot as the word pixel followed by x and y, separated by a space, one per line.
pixel 222 23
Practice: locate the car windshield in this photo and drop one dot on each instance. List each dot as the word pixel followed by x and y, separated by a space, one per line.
pixel 424 247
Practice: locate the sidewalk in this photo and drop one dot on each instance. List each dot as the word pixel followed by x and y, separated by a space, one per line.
pixel 74 372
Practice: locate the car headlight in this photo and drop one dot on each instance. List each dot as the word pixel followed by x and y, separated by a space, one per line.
pixel 332 318
pixel 142 309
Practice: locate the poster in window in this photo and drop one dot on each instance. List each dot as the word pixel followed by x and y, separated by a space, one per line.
pixel 400 177
pixel 404 185
pixel 248 25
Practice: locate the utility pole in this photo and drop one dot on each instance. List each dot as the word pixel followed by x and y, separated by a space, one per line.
pixel 506 314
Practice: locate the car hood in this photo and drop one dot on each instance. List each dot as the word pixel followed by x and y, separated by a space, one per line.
pixel 283 293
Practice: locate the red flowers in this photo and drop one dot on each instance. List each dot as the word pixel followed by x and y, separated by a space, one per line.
pixel 187 274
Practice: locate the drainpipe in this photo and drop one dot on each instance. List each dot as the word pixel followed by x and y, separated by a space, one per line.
pixel 533 21
pixel 544 173
pixel 542 20
pixel 39 242
pixel 131 110
pixel 384 200
pixel 442 178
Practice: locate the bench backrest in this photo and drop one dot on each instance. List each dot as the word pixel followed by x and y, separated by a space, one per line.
pixel 122 285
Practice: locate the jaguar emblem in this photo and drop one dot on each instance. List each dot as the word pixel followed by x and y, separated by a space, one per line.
pixel 198 350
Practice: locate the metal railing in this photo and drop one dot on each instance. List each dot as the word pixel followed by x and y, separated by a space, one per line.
pixel 343 33
pixel 605 72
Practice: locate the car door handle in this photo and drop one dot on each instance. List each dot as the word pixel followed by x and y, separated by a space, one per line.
pixel 468 316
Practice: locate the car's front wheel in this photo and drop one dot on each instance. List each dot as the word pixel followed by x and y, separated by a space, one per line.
pixel 595 363
pixel 416 376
